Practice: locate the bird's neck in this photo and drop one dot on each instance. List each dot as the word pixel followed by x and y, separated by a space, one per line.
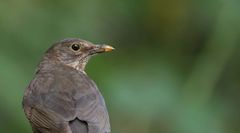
pixel 47 64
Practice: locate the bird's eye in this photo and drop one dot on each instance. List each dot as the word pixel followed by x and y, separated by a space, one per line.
pixel 75 47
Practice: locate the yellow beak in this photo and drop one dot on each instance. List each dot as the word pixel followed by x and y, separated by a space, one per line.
pixel 107 48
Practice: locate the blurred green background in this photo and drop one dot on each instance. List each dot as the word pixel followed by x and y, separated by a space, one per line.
pixel 176 67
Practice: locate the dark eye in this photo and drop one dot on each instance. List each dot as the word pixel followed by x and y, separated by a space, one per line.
pixel 75 47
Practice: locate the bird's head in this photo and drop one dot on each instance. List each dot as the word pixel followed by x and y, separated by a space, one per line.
pixel 74 52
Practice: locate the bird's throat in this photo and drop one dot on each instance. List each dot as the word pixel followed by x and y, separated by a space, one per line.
pixel 80 66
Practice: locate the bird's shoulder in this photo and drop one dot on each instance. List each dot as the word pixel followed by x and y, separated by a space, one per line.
pixel 60 82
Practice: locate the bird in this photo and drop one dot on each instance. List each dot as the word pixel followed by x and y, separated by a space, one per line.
pixel 62 98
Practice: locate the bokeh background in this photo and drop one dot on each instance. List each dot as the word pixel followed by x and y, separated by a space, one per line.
pixel 176 67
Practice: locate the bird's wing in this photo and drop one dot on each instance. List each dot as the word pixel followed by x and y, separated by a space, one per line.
pixel 91 108
pixel 46 111
pixel 43 118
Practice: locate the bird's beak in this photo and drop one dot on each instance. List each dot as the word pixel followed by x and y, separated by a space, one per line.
pixel 106 48
pixel 101 49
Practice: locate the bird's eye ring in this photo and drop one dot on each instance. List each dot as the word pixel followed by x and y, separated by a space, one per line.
pixel 75 47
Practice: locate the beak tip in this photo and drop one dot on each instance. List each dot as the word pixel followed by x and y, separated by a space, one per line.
pixel 108 48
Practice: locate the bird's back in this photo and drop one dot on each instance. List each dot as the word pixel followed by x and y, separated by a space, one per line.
pixel 70 94
pixel 78 126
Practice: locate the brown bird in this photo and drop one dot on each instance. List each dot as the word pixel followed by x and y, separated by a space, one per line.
pixel 61 98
